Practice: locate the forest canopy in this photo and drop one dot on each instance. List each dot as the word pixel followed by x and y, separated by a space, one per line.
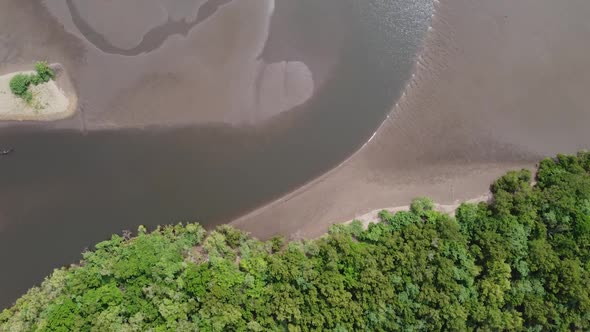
pixel 518 263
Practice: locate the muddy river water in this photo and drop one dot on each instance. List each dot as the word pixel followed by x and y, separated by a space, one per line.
pixel 190 110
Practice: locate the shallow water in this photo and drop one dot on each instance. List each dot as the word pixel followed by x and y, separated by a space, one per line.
pixel 151 40
pixel 64 189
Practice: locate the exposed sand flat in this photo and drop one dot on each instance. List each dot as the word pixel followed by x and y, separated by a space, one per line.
pixel 353 191
pixel 50 102
pixel 499 85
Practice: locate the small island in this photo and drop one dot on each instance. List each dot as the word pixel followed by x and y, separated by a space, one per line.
pixel 45 94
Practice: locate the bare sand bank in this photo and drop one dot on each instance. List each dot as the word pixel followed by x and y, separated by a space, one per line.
pixel 52 101
pixel 498 86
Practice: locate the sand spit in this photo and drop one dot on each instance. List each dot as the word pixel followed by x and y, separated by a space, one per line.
pixel 498 86
pixel 52 101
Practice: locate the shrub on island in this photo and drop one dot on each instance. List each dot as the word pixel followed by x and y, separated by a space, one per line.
pixel 20 83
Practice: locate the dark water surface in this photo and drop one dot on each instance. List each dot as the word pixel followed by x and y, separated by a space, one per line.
pixel 63 190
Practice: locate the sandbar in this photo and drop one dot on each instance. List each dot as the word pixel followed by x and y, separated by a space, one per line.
pixel 51 101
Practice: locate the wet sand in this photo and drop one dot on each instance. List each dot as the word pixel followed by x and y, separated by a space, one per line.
pixel 498 86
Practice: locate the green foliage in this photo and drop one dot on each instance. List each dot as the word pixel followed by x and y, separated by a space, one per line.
pixel 44 73
pixel 20 83
pixel 421 205
pixel 520 263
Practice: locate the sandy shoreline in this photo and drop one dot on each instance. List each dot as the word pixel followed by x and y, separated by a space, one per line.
pixel 487 96
pixel 347 193
pixel 54 100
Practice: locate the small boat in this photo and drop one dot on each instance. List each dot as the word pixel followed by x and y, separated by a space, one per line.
pixel 6 152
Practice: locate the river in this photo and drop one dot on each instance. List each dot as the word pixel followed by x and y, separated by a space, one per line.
pixel 145 151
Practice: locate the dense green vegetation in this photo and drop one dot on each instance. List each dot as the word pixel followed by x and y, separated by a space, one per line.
pixel 519 263
pixel 20 83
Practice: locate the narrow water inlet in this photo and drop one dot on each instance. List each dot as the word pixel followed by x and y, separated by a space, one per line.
pixel 153 39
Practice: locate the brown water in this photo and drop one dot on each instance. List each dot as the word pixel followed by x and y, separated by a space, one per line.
pixel 163 135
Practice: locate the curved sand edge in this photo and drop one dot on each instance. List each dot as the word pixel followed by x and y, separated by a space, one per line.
pixel 54 100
